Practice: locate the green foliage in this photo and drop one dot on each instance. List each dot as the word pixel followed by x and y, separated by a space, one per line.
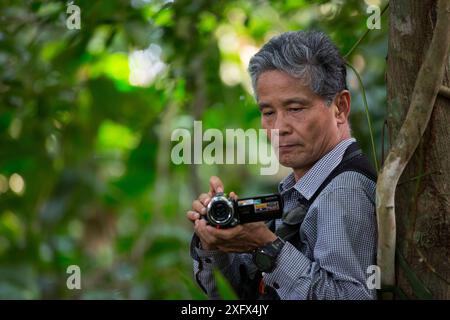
pixel 225 289
pixel 85 170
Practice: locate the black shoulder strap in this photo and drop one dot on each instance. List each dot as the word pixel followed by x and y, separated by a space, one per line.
pixel 352 160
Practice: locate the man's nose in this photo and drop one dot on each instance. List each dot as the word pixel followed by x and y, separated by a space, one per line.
pixel 282 125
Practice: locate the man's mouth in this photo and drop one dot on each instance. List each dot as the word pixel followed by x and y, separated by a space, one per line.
pixel 287 146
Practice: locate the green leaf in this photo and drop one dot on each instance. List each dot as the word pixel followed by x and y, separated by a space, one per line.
pixel 195 292
pixel 114 136
pixel 226 292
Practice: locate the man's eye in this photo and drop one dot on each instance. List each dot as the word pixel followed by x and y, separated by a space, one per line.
pixel 295 109
pixel 267 113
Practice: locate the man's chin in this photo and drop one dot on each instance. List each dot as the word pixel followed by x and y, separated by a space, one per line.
pixel 293 161
pixel 289 161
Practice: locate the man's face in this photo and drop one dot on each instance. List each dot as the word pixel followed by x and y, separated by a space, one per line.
pixel 308 128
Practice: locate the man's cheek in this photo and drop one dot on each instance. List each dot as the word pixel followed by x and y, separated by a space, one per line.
pixel 311 132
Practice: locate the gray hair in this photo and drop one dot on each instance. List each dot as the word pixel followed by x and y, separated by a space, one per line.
pixel 307 55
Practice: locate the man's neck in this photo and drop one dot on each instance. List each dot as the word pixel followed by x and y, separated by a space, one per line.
pixel 300 172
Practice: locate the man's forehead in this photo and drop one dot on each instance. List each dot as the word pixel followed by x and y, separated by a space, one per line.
pixel 278 83
pixel 285 96
pixel 284 100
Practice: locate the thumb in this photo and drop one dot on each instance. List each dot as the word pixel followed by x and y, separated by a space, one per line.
pixel 233 195
pixel 215 185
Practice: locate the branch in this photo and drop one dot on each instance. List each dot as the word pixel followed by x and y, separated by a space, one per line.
pixel 366 107
pixel 444 91
pixel 426 88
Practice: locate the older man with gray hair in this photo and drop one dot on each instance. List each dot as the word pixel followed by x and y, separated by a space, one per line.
pixel 323 245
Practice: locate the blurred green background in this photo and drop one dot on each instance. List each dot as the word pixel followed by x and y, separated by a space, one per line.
pixel 86 118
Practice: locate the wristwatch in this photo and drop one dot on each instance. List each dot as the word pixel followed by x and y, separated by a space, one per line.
pixel 265 257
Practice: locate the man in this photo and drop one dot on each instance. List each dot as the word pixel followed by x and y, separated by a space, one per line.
pixel 299 80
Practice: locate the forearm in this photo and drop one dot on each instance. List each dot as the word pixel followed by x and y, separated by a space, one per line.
pixel 204 272
pixel 205 261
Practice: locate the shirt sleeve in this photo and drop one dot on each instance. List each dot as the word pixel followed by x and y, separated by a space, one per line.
pixel 343 249
pixel 231 265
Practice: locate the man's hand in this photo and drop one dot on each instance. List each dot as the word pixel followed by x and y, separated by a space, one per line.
pixel 242 238
pixel 199 208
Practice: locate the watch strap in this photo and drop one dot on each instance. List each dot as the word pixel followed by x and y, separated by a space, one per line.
pixel 271 251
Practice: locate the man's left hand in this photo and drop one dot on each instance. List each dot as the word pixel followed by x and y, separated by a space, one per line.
pixel 242 238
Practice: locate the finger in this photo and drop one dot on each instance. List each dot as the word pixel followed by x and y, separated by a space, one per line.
pixel 199 207
pixel 204 238
pixel 215 185
pixel 204 198
pixel 224 234
pixel 192 215
pixel 201 231
pixel 230 249
pixel 224 249
pixel 233 195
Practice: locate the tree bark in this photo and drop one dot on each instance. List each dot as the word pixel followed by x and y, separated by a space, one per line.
pixel 422 198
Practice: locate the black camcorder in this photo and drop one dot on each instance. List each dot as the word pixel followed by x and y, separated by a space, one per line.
pixel 223 212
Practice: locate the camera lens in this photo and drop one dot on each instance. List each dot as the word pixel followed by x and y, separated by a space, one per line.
pixel 220 211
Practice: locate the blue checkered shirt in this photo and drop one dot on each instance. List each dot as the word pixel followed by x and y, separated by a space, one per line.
pixel 338 239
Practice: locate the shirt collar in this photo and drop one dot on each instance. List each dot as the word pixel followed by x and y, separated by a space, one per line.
pixel 314 177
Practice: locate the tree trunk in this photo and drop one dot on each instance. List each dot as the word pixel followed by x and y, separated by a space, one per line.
pixel 423 193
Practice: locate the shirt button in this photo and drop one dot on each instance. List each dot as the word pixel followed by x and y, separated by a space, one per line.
pixel 276 285
pixel 208 260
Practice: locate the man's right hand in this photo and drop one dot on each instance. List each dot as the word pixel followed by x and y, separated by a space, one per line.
pixel 199 209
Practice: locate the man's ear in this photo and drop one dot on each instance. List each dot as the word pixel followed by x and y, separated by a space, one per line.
pixel 342 106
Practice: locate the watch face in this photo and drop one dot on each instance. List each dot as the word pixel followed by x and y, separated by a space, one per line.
pixel 263 262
